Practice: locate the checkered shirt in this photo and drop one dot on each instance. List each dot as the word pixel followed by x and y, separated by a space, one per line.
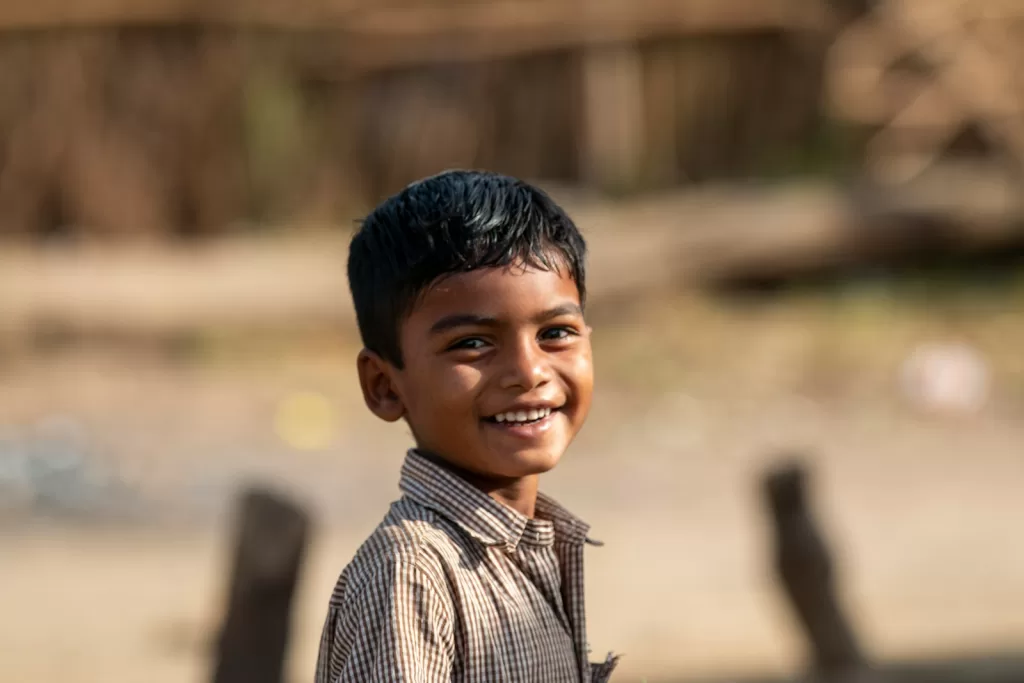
pixel 454 586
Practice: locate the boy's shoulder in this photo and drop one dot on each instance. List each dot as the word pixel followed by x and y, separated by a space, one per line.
pixel 410 536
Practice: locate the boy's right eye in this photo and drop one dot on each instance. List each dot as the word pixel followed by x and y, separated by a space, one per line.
pixel 468 344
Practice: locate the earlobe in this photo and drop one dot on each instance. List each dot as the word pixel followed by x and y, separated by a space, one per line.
pixel 379 390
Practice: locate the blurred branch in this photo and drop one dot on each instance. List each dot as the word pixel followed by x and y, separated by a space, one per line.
pixel 387 38
pixel 717 235
pixel 602 19
pixel 370 37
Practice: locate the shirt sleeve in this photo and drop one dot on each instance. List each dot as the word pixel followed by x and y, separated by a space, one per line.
pixel 394 627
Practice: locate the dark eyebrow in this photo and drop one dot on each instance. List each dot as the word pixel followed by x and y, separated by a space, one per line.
pixel 450 322
pixel 568 308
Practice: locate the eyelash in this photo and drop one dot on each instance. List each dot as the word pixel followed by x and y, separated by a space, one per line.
pixel 569 332
pixel 463 344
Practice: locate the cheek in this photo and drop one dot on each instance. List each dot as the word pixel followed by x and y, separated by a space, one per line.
pixel 580 375
pixel 449 390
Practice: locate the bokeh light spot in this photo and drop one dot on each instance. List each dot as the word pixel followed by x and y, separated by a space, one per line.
pixel 305 421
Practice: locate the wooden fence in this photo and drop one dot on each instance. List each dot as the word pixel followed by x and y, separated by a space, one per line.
pixel 164 117
pixel 171 118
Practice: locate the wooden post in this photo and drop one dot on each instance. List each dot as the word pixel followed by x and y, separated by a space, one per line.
pixel 805 569
pixel 613 110
pixel 269 548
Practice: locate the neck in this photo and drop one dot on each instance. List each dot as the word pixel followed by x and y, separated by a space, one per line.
pixel 520 493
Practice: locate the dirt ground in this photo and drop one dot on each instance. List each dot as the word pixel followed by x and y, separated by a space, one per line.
pixel 111 567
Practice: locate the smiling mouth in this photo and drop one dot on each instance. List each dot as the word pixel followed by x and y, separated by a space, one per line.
pixel 514 418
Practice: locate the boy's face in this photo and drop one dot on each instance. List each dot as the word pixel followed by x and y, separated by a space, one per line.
pixel 498 372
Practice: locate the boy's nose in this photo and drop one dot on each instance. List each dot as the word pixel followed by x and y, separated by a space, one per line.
pixel 526 368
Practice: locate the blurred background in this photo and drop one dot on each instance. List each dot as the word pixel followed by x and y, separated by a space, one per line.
pixel 806 220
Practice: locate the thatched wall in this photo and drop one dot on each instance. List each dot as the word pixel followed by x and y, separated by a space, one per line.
pixel 182 127
pixel 120 131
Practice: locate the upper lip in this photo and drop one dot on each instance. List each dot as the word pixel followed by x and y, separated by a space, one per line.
pixel 527 406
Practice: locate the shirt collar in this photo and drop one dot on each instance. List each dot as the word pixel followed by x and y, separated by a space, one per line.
pixel 482 517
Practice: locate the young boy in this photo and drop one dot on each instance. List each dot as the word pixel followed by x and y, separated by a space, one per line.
pixel 469 290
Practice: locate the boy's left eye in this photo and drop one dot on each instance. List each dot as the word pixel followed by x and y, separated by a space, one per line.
pixel 556 333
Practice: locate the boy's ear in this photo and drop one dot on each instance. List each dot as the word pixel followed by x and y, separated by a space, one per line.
pixel 378 385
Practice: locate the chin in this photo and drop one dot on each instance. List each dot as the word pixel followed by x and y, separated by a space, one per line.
pixel 527 463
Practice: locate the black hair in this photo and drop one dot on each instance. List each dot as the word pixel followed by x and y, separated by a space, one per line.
pixel 450 223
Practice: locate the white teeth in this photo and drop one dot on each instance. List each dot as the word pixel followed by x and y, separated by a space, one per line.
pixel 523 415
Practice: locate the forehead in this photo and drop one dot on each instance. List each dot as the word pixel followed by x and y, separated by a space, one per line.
pixel 501 292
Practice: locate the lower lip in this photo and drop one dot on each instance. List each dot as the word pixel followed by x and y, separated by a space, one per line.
pixel 528 430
